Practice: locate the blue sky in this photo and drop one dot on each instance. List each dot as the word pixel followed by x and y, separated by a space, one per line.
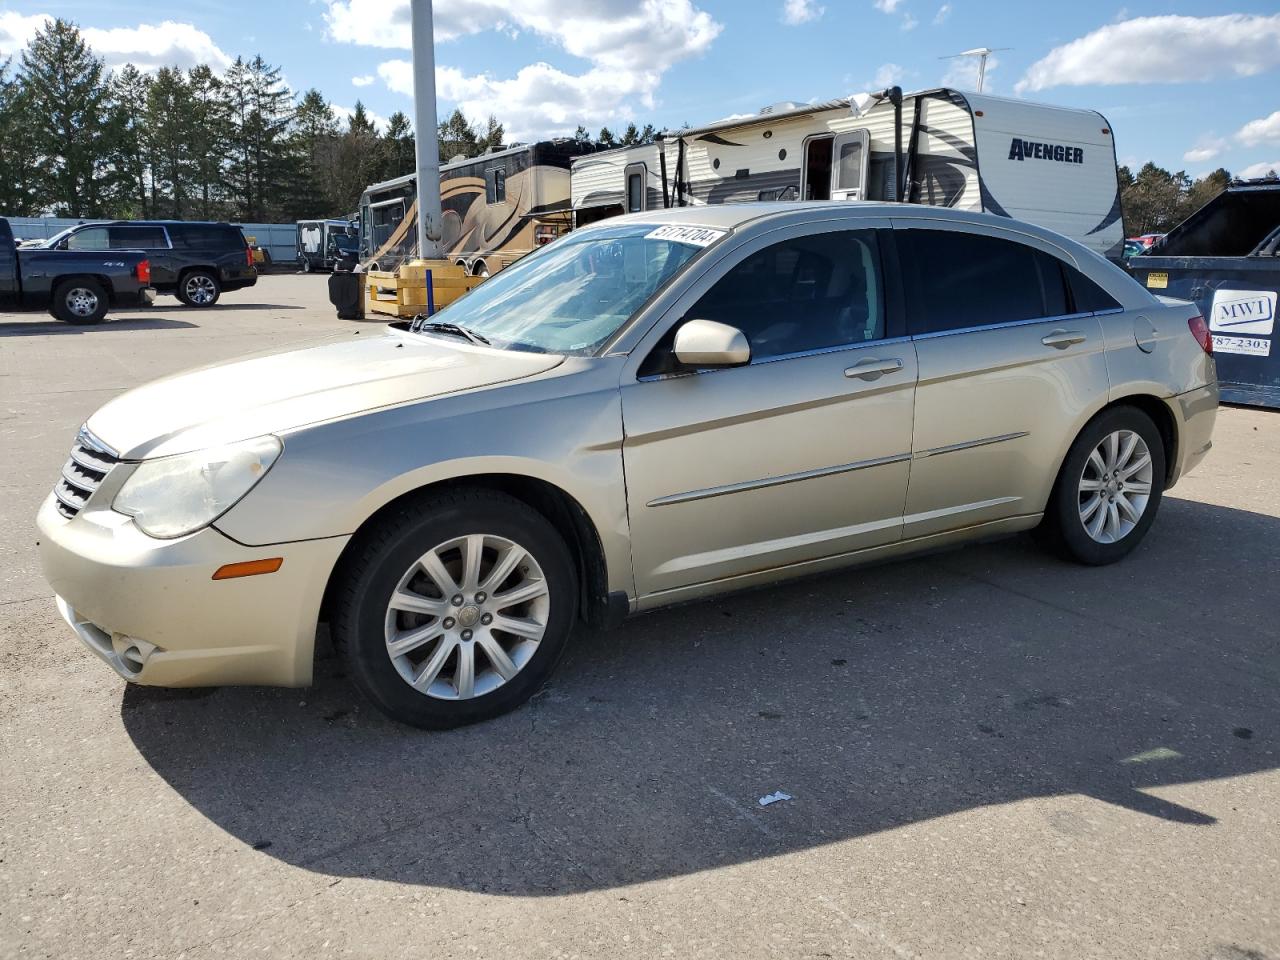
pixel 1191 85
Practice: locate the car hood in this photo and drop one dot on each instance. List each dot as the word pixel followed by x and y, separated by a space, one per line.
pixel 281 391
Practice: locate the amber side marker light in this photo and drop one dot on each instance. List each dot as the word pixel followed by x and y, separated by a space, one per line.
pixel 249 568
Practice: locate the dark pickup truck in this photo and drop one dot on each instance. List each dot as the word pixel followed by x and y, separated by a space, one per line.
pixel 76 286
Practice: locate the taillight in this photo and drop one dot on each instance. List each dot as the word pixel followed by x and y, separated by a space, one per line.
pixel 1200 330
pixel 143 271
pixel 248 256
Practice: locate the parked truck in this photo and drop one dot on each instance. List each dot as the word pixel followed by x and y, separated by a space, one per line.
pixel 322 243
pixel 76 286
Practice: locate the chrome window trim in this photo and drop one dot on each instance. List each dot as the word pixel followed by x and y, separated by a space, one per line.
pixel 764 482
pixel 839 348
pixel 1003 325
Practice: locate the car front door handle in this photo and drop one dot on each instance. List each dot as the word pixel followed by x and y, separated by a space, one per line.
pixel 873 369
pixel 1062 339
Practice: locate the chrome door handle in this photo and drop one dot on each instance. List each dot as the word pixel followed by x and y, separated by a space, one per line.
pixel 872 369
pixel 1062 339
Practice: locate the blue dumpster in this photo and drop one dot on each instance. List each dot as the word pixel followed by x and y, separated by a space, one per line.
pixel 1226 258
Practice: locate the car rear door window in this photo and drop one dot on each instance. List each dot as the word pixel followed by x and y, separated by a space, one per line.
pixel 804 294
pixel 137 238
pixel 965 280
pixel 1086 295
pixel 205 236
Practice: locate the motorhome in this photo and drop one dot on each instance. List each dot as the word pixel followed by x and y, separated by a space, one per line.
pixel 496 208
pixel 1051 166
pixel 322 243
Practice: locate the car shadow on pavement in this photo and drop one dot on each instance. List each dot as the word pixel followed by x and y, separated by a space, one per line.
pixel 41 328
pixel 236 305
pixel 877 698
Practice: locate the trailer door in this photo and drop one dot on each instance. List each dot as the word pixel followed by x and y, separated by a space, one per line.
pixel 851 155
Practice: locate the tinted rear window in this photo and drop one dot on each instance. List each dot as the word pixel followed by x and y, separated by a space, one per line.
pixel 137 238
pixel 1089 297
pixel 965 280
pixel 205 235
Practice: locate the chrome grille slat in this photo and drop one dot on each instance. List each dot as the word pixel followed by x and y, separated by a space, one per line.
pixel 83 473
pixel 91 459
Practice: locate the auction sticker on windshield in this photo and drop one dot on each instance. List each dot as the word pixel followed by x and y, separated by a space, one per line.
pixel 680 233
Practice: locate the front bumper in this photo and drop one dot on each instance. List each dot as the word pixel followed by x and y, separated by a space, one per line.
pixel 151 610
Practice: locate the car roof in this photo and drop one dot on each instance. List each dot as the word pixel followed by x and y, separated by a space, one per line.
pixel 730 216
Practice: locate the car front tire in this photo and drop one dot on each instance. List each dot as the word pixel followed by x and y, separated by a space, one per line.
pixel 454 607
pixel 1109 488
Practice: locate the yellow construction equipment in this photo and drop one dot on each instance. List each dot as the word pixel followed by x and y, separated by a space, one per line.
pixel 419 286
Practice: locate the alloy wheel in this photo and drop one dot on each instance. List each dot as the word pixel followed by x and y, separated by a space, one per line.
pixel 1115 486
pixel 467 616
pixel 200 290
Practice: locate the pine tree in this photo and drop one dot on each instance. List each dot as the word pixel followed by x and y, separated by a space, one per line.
pixel 130 135
pixel 493 136
pixel 606 138
pixel 19 185
pixel 210 141
pixel 630 136
pixel 69 100
pixel 169 128
pixel 457 139
pixel 261 111
pixel 398 147
pixel 314 156
pixel 581 135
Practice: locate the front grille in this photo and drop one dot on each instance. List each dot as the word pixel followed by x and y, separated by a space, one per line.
pixel 85 469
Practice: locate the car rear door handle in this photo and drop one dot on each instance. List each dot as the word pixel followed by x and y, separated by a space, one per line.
pixel 872 369
pixel 1062 339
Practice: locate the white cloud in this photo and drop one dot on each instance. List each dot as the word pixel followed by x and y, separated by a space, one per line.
pixel 795 12
pixel 963 73
pixel 888 75
pixel 343 114
pixel 1206 148
pixel 17 30
pixel 363 81
pixel 628 47
pixel 152 46
pixel 1165 49
pixel 887 6
pixel 1259 170
pixel 909 22
pixel 1262 130
pixel 940 17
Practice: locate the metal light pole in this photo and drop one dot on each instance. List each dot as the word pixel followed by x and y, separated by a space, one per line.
pixel 427 146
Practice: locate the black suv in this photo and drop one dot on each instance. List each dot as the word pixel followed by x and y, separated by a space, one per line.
pixel 193 261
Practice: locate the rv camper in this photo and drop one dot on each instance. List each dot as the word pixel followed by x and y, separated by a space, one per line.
pixel 496 208
pixel 620 180
pixel 1052 166
pixel 322 243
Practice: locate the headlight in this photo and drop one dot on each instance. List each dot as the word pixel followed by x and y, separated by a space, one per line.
pixel 175 496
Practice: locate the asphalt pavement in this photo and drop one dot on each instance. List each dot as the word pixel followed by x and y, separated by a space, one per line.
pixel 989 752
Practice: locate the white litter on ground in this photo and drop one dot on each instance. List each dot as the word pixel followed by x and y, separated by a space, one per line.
pixel 773 798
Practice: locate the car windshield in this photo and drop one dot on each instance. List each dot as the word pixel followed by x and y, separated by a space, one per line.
pixel 57 238
pixel 572 295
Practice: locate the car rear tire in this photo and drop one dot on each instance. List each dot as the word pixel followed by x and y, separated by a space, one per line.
pixel 199 288
pixel 455 607
pixel 1108 490
pixel 81 302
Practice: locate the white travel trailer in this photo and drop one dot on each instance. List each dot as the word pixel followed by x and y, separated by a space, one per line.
pixel 1051 166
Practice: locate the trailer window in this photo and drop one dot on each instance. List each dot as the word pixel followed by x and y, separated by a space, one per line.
pixel 496 186
pixel 849 168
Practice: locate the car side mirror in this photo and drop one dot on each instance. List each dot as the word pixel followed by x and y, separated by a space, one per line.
pixel 706 343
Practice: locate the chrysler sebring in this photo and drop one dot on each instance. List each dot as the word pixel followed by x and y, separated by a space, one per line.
pixel 656 408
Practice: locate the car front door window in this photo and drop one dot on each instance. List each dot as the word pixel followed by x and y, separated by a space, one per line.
pixel 804 294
